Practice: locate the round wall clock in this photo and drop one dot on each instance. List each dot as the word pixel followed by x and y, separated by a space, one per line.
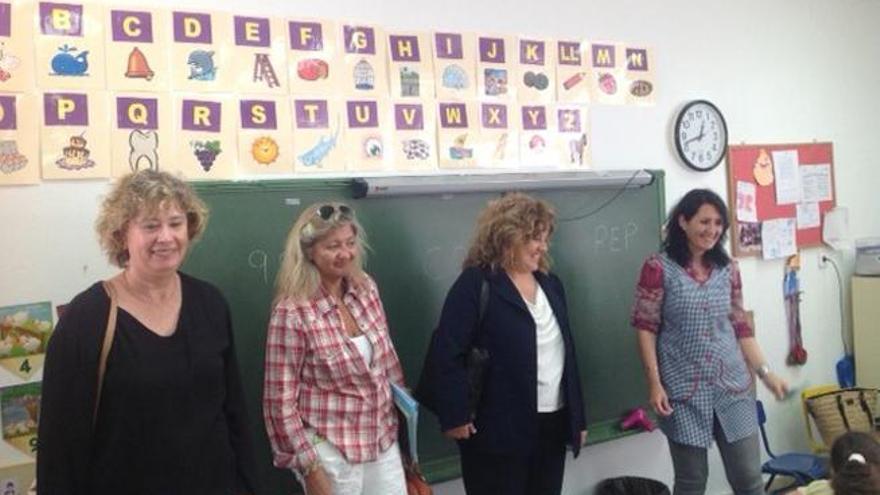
pixel 700 135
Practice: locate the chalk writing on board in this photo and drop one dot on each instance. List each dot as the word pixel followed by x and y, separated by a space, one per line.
pixel 614 238
pixel 258 260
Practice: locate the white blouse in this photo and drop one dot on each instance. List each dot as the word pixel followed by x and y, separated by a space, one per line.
pixel 551 353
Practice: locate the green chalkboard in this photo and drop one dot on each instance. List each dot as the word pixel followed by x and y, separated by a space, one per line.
pixel 418 244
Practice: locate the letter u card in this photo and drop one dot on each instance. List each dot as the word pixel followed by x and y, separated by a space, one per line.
pixel 138 49
pixel 264 136
pixel 574 140
pixel 364 57
pixel 142 133
pixel 536 74
pixel 454 65
pixel 313 58
pixel 537 143
pixel 498 136
pixel 607 69
pixel 70 45
pixel 410 69
pixel 415 135
pixel 457 134
pixel 367 135
pixel 496 66
pixel 201 52
pixel 205 136
pixel 73 137
pixel 640 81
pixel 260 61
pixel 317 136
pixel 17 46
pixel 573 72
pixel 19 147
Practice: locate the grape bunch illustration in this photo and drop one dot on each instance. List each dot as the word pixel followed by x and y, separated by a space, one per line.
pixel 206 152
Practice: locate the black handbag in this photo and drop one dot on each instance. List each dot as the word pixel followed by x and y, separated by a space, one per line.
pixel 476 362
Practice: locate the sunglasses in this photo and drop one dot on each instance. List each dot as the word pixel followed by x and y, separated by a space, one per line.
pixel 342 212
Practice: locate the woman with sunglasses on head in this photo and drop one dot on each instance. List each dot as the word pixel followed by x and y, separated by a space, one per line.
pixel 330 362
pixel 699 351
pixel 507 303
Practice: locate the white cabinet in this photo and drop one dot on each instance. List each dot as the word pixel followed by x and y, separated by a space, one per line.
pixel 866 330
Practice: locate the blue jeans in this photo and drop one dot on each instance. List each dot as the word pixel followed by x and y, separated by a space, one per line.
pixel 741 459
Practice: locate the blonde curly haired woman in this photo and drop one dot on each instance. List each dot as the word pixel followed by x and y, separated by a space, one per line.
pixel 330 363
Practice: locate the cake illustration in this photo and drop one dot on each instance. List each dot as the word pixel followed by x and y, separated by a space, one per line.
pixel 76 156
pixel 10 159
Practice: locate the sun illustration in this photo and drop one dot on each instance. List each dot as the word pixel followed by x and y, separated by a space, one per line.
pixel 264 150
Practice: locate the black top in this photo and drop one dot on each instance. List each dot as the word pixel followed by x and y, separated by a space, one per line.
pixel 507 414
pixel 172 418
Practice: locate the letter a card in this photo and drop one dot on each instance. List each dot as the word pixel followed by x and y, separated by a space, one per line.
pixel 260 56
pixel 367 134
pixel 313 60
pixel 415 135
pixel 499 136
pixel 19 146
pixel 607 68
pixel 457 134
pixel 496 66
pixel 142 133
pixel 205 136
pixel 317 136
pixel 73 137
pixel 138 49
pixel 364 57
pixel 574 139
pixel 17 46
pixel 201 52
pixel 536 74
pixel 455 65
pixel 264 136
pixel 70 45
pixel 640 79
pixel 410 69
pixel 573 74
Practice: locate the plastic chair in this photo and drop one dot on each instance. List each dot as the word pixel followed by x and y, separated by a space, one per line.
pixel 803 468
pixel 818 446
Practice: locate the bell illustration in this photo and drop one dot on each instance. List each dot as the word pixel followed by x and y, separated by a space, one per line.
pixel 138 66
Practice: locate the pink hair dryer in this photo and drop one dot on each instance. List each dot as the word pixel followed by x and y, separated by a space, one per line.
pixel 637 418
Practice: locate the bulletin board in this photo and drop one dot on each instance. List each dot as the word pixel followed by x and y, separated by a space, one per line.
pixel 756 172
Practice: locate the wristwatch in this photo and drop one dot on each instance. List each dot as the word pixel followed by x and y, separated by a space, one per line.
pixel 762 371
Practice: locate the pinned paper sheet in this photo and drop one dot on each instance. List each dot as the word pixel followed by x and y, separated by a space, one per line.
pixel 778 238
pixel 808 215
pixel 746 202
pixel 788 183
pixel 835 231
pixel 816 183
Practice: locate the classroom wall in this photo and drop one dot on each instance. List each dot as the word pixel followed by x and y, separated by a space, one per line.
pixel 781 71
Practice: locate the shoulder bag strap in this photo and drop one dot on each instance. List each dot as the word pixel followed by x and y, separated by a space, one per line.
pixel 106 345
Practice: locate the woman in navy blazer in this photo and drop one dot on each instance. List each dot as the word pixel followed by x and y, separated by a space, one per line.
pixel 531 406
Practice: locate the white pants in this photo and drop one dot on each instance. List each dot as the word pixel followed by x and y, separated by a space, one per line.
pixel 384 476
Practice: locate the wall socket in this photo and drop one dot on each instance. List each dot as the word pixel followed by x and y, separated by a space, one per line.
pixel 823 261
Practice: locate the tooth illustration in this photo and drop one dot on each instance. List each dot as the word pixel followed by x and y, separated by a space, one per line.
pixel 143 144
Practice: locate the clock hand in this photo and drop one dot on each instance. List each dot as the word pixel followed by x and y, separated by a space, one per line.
pixel 702 127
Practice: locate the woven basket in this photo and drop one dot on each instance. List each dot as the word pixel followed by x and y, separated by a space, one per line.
pixel 840 411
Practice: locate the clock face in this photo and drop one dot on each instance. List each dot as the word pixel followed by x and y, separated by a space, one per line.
pixel 701 135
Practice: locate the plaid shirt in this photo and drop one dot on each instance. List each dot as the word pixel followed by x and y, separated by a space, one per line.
pixel 315 377
pixel 648 305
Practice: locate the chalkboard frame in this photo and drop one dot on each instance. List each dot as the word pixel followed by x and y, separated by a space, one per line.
pixel 224 198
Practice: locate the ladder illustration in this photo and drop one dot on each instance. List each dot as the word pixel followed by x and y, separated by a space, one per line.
pixel 263 70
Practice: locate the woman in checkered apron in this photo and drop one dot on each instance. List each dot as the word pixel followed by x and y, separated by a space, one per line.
pixel 699 351
pixel 329 363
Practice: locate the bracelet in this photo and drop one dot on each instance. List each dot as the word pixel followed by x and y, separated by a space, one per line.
pixel 762 371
